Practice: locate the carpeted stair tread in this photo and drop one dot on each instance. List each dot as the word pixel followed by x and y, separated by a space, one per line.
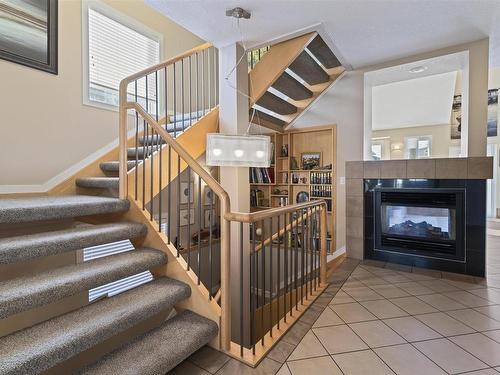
pixel 114 166
pixel 19 248
pixel 131 151
pixel 47 344
pixel 98 182
pixel 23 210
pixel 28 292
pixel 160 350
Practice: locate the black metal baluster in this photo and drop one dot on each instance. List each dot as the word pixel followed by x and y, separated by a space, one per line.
pixel 169 195
pixel 182 94
pixel 203 80
pixel 190 92
pixel 296 241
pixel 159 141
pixel 279 275
pixel 199 229
pixel 291 264
pixel 305 240
pixel 136 142
pixel 241 290
pixel 253 289
pixel 271 276
pixel 285 243
pixel 150 154
pixel 197 88
pixel 302 258
pixel 316 238
pixel 311 249
pixel 263 287
pixel 209 81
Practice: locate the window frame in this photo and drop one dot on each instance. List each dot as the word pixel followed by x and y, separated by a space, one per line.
pixel 417 138
pixel 121 18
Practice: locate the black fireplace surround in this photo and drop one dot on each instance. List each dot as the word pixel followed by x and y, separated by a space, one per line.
pixel 437 224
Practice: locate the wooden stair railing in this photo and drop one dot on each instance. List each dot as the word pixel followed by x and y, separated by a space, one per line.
pixel 157 187
pixel 288 78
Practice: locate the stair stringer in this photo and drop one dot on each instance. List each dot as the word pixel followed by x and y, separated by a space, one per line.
pixel 176 268
pixel 193 140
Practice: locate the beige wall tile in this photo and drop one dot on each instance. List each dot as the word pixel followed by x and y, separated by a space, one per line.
pixel 393 169
pixel 354 247
pixel 354 227
pixel 354 206
pixel 451 168
pixel 372 169
pixel 354 169
pixel 421 168
pixel 354 186
pixel 480 168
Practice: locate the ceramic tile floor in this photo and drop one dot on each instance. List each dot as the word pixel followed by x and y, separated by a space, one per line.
pixel 377 318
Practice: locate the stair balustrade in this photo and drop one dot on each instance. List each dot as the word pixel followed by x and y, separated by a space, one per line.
pixel 281 257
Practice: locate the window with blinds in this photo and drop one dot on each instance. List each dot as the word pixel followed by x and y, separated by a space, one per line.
pixel 116 51
pixel 118 286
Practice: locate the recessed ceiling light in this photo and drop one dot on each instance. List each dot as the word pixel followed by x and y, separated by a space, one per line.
pixel 418 69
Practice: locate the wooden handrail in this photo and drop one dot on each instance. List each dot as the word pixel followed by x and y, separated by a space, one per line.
pixel 253 217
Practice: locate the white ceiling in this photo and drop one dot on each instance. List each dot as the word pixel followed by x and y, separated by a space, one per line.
pixel 416 102
pixel 364 32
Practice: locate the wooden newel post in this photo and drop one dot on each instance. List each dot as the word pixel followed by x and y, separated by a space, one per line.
pixel 323 250
pixel 225 300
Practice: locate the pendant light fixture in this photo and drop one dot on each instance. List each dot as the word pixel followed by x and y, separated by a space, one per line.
pixel 238 150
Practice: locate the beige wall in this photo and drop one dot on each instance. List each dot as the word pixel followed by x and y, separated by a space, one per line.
pixel 342 104
pixel 46 130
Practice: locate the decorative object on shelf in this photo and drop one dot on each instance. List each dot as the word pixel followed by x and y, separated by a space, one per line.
pixel 208 196
pixel 310 160
pixel 295 179
pixel 285 178
pixel 276 191
pixel 186 217
pixel 303 180
pixel 284 192
pixel 185 186
pixel 238 150
pixel 29 33
pixel 302 196
pixel 294 165
pixel 327 167
pixel 283 201
pixel 284 151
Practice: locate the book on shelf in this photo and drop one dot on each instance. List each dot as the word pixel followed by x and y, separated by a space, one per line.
pixel 256 197
pixel 261 175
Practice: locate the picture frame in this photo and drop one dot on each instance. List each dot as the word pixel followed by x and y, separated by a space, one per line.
pixel 185 191
pixel 206 218
pixel 208 196
pixel 185 216
pixel 29 34
pixel 310 160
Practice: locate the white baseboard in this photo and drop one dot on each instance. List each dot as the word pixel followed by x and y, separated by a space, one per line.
pixel 335 254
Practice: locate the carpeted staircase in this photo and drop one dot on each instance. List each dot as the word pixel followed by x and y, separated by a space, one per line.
pixel 146 145
pixel 52 342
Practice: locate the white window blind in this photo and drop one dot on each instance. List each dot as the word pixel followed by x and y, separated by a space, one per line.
pixel 118 286
pixel 115 52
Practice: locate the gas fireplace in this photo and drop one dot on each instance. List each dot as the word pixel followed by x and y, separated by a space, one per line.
pixel 423 222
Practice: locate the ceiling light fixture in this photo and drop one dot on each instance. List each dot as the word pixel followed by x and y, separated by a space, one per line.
pixel 418 69
pixel 238 150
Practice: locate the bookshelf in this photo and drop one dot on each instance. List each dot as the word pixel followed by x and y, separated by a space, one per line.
pixel 286 182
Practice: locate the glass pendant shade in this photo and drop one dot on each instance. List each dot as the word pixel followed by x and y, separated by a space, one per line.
pixel 238 150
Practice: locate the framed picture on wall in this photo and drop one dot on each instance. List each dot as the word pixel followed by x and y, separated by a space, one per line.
pixel 310 160
pixel 208 196
pixel 28 33
pixel 186 217
pixel 206 218
pixel 187 188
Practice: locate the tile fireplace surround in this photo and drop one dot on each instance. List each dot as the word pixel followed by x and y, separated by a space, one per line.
pixel 468 175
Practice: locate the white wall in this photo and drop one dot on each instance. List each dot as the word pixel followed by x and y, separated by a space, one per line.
pixel 45 127
pixel 342 104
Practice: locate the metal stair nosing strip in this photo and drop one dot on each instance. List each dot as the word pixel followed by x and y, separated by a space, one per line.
pixel 20 248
